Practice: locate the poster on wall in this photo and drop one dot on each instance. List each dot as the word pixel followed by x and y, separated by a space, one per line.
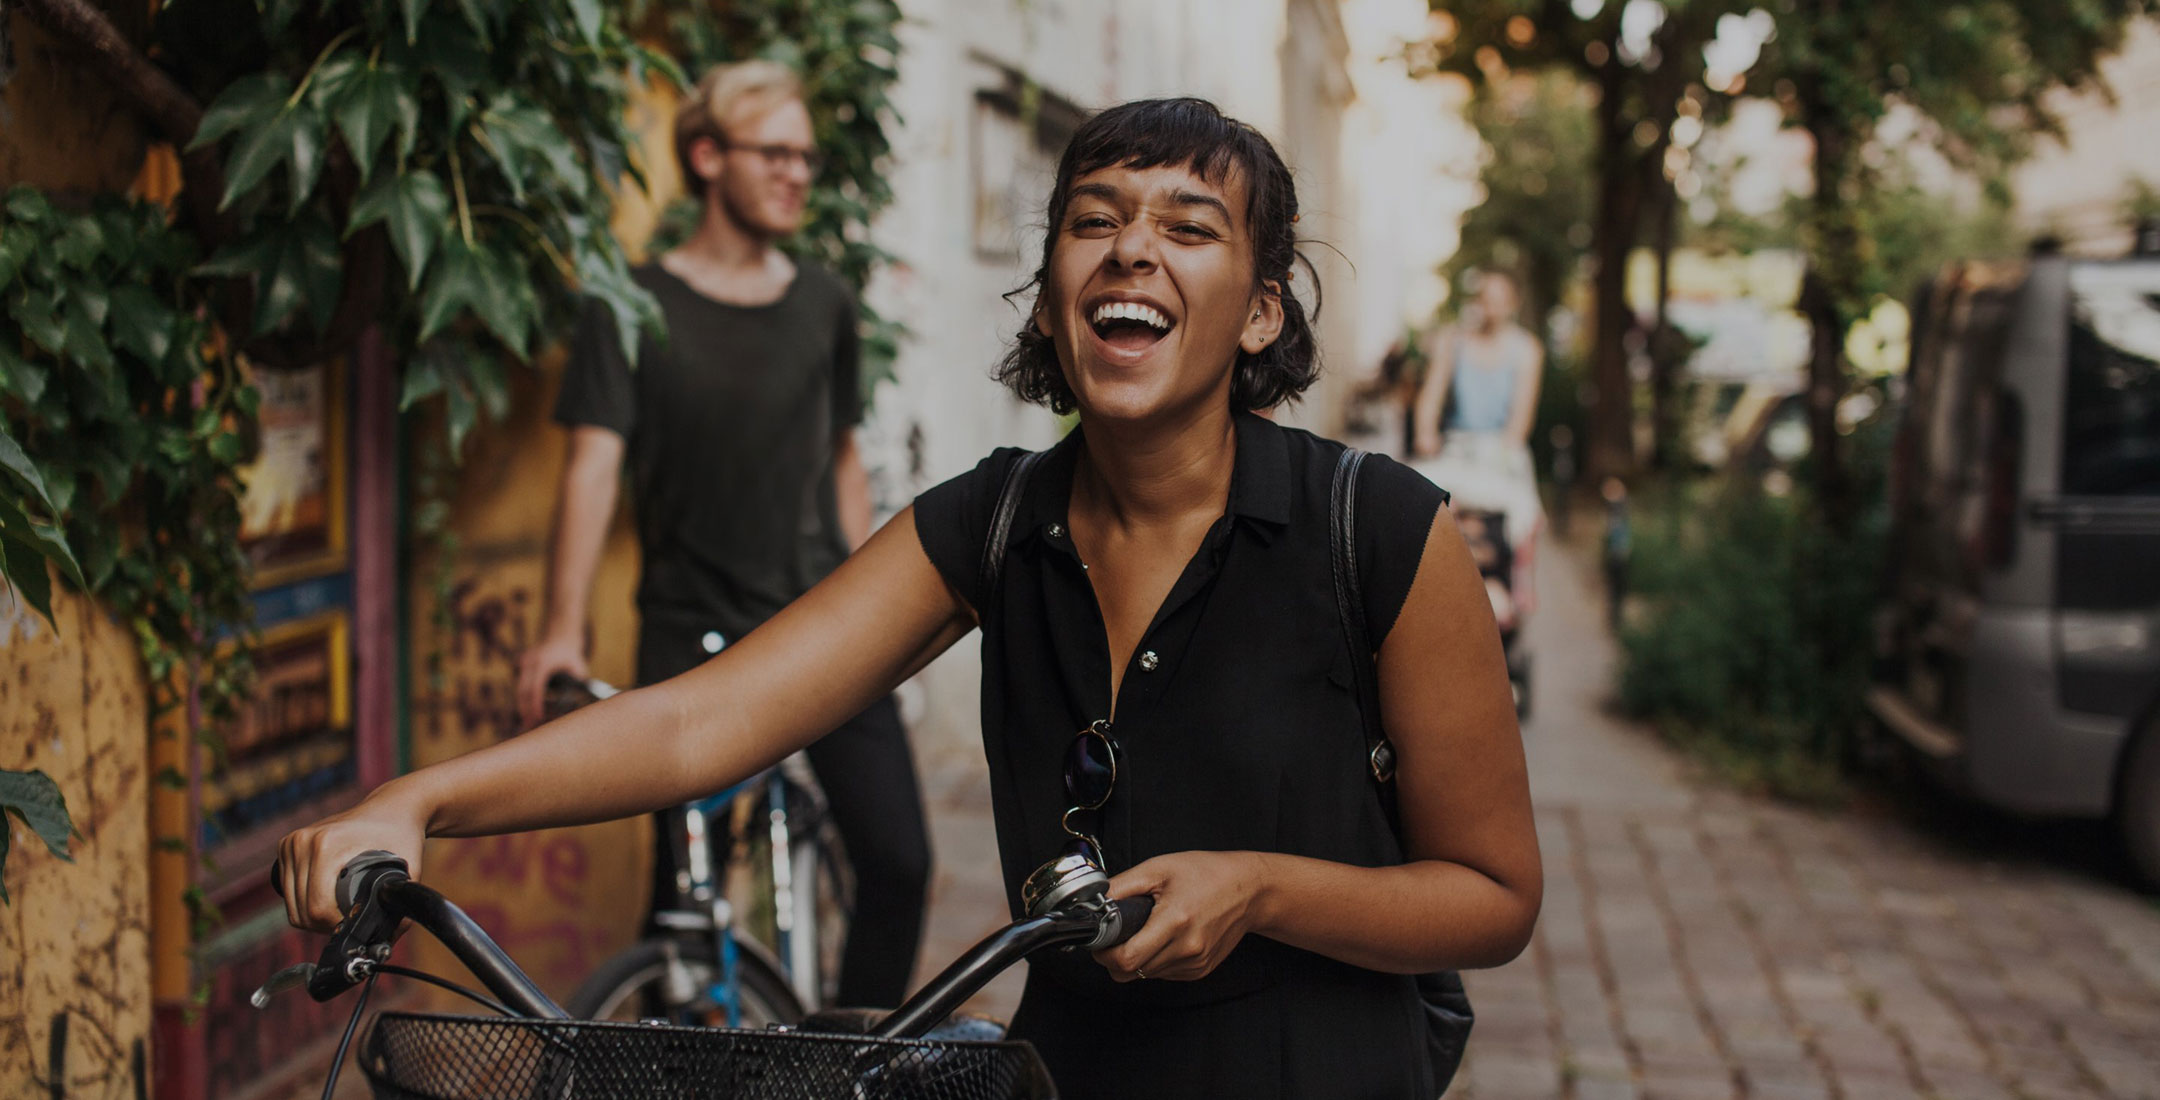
pixel 292 743
pixel 292 510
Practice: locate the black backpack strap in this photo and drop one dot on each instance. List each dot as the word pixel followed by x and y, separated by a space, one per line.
pixel 1008 503
pixel 1447 1012
pixel 1350 606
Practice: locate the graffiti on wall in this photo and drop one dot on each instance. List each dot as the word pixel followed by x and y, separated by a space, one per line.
pixel 559 900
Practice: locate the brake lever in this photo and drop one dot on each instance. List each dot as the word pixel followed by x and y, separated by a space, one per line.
pixel 359 942
pixel 292 977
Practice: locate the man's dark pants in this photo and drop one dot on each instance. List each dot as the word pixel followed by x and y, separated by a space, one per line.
pixel 869 779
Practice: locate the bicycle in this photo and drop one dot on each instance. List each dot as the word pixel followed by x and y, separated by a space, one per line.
pixel 537 1051
pixel 694 968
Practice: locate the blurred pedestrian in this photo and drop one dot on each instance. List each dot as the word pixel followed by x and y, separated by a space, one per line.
pixel 738 425
pixel 1619 549
pixel 1484 371
pixel 1482 377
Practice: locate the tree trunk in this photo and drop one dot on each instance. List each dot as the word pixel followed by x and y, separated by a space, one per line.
pixel 1610 446
pixel 1832 284
pixel 1664 344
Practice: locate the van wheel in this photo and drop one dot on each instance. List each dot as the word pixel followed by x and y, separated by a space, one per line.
pixel 2137 805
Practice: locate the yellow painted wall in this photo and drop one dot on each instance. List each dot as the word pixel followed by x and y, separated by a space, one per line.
pixel 75 940
pixel 560 900
pixel 73 702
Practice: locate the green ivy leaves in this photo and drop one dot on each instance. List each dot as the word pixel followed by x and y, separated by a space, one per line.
pixel 26 544
pixel 105 364
pixel 275 127
pixel 368 99
pixel 416 211
pixel 487 281
pixel 34 799
pixel 295 265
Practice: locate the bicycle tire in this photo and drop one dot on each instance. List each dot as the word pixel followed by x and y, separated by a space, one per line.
pixel 828 909
pixel 632 982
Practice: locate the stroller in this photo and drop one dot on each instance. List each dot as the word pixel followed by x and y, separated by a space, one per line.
pixel 1495 501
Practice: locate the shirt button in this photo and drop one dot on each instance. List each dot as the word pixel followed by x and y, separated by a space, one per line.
pixel 1057 530
pixel 712 642
pixel 1149 661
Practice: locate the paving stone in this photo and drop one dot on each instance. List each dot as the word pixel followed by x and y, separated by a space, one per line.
pixel 1502 1074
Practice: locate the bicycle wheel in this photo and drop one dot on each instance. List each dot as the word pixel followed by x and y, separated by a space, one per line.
pixel 823 913
pixel 674 979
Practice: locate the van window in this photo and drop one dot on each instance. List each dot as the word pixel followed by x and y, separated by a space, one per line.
pixel 2111 416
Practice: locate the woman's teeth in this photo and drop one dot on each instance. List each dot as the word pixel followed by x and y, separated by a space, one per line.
pixel 1130 311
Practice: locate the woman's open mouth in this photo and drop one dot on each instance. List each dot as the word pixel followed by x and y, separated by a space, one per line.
pixel 1129 327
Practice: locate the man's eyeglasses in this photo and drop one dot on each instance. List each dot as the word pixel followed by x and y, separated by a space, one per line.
pixel 1091 766
pixel 777 156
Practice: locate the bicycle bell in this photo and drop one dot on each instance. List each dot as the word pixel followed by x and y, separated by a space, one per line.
pixel 1075 875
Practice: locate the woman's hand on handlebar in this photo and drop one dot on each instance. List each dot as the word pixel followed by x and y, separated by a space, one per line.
pixel 309 858
pixel 1205 902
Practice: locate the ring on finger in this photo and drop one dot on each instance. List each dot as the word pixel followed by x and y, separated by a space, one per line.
pixel 1142 973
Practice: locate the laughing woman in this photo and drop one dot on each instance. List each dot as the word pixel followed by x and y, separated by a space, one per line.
pixel 1165 589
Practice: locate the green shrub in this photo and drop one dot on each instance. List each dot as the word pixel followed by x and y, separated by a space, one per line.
pixel 1751 641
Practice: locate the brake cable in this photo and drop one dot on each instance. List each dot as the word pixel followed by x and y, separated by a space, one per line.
pixel 337 1066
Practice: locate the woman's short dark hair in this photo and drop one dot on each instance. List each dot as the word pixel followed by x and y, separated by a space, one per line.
pixel 1195 134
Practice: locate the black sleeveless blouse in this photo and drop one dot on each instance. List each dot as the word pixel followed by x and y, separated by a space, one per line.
pixel 1239 730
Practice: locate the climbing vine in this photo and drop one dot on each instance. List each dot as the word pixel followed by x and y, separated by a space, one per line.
pixel 122 428
pixel 439 170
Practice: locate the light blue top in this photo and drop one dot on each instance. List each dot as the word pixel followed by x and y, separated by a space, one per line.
pixel 1481 397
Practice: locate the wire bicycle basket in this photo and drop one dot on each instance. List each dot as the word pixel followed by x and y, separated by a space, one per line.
pixel 423 1056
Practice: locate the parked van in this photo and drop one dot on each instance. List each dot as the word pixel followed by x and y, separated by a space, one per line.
pixel 2019 641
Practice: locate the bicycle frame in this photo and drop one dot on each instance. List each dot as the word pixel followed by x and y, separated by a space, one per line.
pixel 699 884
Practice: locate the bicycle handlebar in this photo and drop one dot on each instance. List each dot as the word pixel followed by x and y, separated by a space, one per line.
pixel 1095 924
pixel 377 893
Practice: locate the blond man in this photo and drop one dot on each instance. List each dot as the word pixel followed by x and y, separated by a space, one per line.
pixel 737 425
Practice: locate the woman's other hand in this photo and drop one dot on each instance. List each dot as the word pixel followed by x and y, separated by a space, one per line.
pixel 309 858
pixel 1204 905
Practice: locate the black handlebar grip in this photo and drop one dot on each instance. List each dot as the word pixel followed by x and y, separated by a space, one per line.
pixel 1131 914
pixel 347 878
pixel 358 867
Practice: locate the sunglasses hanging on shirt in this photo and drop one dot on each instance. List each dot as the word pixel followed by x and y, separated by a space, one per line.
pixel 1091 767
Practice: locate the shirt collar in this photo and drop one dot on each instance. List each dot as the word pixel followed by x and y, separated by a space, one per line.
pixel 1259 478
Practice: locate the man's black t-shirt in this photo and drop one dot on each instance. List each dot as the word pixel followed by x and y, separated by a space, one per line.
pixel 730 421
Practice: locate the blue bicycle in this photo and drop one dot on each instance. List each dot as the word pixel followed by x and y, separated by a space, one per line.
pixel 789 890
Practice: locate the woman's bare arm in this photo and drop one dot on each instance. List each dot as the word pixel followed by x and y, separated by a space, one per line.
pixel 1470 894
pixel 1439 373
pixel 880 617
pixel 1522 412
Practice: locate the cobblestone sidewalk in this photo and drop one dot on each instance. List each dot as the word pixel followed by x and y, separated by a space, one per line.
pixel 1739 949
pixel 1698 943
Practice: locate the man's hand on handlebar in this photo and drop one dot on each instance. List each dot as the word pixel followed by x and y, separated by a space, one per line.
pixel 542 662
pixel 309 858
